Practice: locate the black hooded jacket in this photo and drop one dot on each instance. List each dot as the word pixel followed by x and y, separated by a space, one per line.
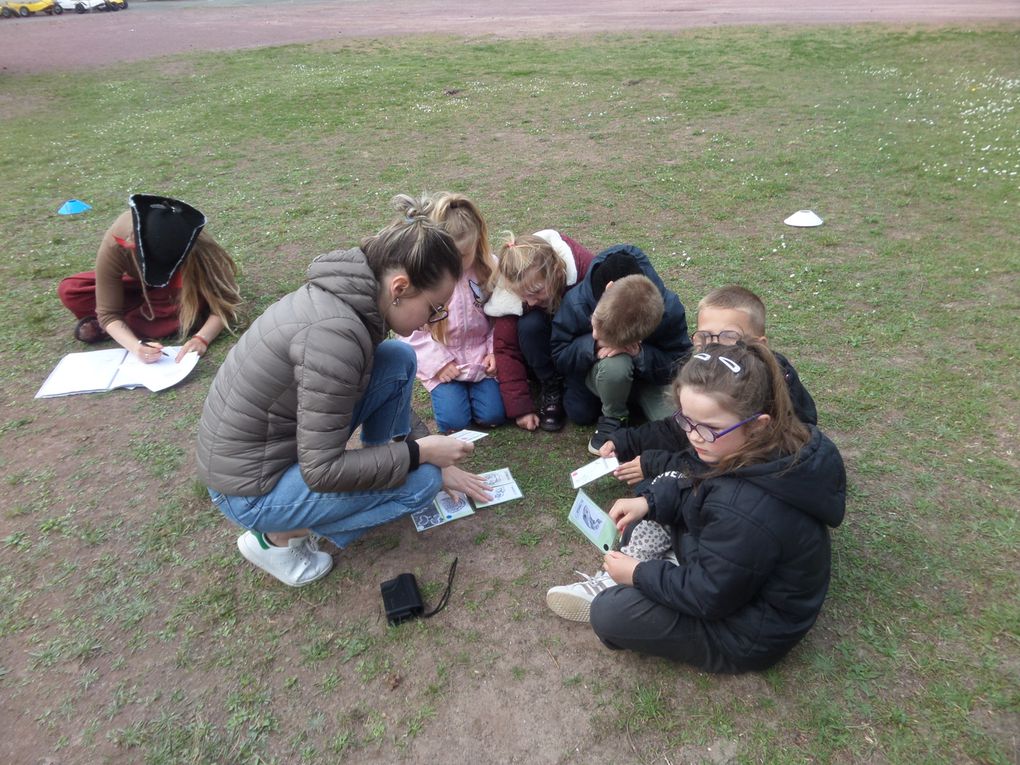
pixel 753 547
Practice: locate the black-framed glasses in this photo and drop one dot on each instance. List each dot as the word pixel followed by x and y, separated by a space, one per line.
pixel 726 337
pixel 477 292
pixel 439 312
pixel 687 425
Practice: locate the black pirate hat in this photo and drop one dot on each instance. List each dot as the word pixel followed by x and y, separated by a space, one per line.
pixel 165 232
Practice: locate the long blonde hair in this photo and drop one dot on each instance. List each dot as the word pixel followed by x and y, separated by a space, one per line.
pixel 461 218
pixel 209 280
pixel 521 258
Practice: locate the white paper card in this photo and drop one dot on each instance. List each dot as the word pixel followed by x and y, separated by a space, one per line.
pixel 157 376
pixel 592 521
pixel 444 509
pixel 502 487
pixel 468 435
pixel 591 471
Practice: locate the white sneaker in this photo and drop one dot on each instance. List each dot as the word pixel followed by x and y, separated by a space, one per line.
pixel 297 564
pixel 573 601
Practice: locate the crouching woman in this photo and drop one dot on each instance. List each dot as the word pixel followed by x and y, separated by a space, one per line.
pixel 273 439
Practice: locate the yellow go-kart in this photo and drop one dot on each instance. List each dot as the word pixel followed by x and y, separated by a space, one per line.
pixel 28 7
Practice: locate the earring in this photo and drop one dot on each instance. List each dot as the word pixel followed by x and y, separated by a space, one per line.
pixel 396 302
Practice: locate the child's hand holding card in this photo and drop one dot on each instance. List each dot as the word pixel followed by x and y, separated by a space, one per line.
pixel 593 522
pixel 591 471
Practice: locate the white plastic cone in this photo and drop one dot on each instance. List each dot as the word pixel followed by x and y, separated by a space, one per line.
pixel 803 219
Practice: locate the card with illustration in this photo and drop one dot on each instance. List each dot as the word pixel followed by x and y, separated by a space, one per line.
pixel 502 486
pixel 592 521
pixel 445 508
pixel 468 435
pixel 591 471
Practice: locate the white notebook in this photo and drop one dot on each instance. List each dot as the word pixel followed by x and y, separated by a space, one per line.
pixel 96 371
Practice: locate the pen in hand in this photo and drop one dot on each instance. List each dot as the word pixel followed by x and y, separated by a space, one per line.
pixel 148 344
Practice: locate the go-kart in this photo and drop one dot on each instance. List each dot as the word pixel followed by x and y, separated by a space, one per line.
pixel 84 6
pixel 25 8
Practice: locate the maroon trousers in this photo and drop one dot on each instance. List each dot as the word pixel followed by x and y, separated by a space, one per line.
pixel 78 294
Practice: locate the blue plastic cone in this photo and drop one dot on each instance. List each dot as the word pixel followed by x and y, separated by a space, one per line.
pixel 73 207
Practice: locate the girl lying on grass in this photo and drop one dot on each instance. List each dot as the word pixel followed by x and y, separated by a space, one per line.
pixel 743 576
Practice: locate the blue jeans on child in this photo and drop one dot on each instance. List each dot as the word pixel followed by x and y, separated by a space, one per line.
pixel 456 403
pixel 384 412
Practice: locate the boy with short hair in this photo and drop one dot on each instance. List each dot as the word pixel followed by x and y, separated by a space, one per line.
pixel 617 339
pixel 726 315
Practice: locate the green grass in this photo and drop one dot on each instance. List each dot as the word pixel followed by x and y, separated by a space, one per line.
pixel 132 631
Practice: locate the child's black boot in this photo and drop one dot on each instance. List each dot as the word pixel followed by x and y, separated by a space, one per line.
pixel 551 414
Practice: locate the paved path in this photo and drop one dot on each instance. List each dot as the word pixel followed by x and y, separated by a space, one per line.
pixel 153 28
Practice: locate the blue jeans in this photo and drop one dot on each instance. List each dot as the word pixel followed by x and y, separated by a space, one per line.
pixel 384 412
pixel 456 403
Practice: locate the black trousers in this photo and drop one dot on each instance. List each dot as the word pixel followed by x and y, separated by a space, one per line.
pixel 623 618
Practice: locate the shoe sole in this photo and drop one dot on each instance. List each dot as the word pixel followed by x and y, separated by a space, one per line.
pixel 244 553
pixel 593 450
pixel 548 429
pixel 569 606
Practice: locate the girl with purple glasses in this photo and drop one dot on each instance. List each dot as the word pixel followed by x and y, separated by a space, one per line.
pixel 740 572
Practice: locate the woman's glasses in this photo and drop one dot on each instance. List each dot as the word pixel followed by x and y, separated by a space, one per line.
pixel 439 312
pixel 687 425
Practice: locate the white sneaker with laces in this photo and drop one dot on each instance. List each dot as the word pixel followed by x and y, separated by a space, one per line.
pixel 297 564
pixel 573 601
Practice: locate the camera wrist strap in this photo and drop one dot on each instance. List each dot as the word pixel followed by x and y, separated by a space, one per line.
pixel 446 595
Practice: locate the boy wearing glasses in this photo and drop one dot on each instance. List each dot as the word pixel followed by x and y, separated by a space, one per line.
pixel 617 340
pixel 726 315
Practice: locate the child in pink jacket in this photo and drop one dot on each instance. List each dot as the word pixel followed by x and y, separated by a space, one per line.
pixel 455 360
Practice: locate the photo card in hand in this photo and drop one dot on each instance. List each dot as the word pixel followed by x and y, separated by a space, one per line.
pixel 591 471
pixel 445 508
pixel 502 487
pixel 592 521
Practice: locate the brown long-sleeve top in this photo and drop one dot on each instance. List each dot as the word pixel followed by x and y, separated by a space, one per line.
pixel 113 261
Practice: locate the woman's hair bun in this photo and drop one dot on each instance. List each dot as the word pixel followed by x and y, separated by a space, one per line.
pixel 414 209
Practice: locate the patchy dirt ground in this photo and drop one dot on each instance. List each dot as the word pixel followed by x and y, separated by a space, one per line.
pixel 537 717
pixel 153 28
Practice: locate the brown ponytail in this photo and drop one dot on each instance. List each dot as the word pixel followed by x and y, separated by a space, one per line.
pixel 747 381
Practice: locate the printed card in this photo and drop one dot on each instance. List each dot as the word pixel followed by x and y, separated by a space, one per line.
pixel 468 435
pixel 591 471
pixel 444 509
pixel 502 486
pixel 593 522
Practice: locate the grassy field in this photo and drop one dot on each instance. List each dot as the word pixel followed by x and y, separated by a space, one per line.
pixel 130 629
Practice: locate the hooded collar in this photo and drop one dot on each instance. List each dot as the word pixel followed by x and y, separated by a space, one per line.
pixel 504 302
pixel 346 274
